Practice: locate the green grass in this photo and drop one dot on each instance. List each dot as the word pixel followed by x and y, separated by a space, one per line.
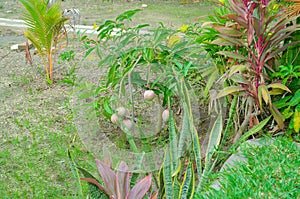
pixel 33 160
pixel 272 172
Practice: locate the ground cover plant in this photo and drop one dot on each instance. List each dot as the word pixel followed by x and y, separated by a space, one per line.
pixel 269 173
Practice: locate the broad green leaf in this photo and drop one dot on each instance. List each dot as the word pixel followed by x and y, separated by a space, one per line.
pixel 297 120
pixel 277 116
pixel 211 80
pixel 222 42
pixel 295 99
pixel 287 113
pixel 239 78
pixel 280 86
pixel 228 31
pixel 230 90
pixel 283 102
pixel 276 91
pixel 237 68
pixel 264 93
pixel 232 55
pixel 127 15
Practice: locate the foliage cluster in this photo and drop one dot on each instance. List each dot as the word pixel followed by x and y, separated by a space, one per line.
pixel 269 173
pixel 246 47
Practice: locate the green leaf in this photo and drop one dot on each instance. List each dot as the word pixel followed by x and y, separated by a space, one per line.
pixel 222 42
pixel 214 138
pixel 296 99
pixel 264 93
pixel 167 176
pixel 127 15
pixel 211 80
pixel 280 86
pixel 237 68
pixel 233 55
pixel 229 90
pixel 297 120
pixel 187 186
pixel 252 131
pixel 283 102
pixel 277 116
pixel 76 174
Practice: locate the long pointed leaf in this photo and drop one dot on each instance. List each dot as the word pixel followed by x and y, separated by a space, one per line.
pixel 123 179
pixel 140 189
pixel 214 138
pixel 109 178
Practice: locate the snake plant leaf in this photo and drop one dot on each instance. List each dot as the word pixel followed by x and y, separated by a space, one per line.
pixel 140 189
pixel 173 141
pixel 167 176
pixel 214 138
pixel 184 133
pixel 187 187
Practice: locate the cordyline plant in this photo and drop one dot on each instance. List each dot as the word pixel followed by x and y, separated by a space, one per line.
pixel 261 33
pixel 45 29
pixel 117 185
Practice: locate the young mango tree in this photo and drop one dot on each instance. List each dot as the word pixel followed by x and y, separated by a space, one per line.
pixel 45 29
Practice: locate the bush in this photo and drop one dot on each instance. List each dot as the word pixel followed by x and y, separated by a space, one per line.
pixel 271 172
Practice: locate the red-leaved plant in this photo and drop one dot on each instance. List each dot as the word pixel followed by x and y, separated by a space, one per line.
pixel 117 185
pixel 251 28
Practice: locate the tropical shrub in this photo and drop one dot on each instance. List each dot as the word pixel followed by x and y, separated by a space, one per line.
pixel 255 38
pixel 117 185
pixel 45 29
